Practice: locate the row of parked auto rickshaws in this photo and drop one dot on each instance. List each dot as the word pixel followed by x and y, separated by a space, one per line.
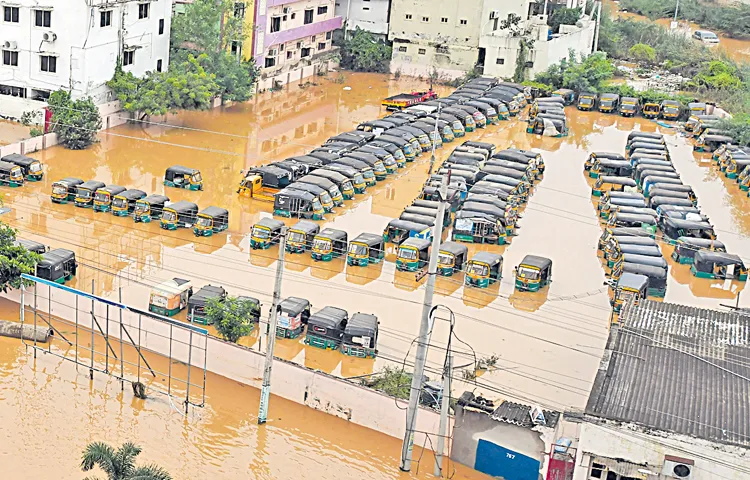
pixel 547 117
pixel 734 163
pixel 638 193
pixel 16 169
pixel 57 265
pixel 122 202
pixel 631 106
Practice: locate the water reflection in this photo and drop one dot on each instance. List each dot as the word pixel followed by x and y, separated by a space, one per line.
pixel 529 301
pixel 320 359
pixel 480 297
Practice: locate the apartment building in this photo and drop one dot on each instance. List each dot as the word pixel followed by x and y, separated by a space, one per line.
pixel 293 40
pixel 47 46
pixel 370 15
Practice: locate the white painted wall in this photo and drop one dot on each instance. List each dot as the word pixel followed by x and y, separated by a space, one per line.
pixel 369 15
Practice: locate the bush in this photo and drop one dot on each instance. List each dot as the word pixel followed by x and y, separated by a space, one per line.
pixel 392 381
pixel 362 53
pixel 563 16
pixel 587 75
pixel 643 53
pixel 731 19
pixel 232 317
pixel 75 122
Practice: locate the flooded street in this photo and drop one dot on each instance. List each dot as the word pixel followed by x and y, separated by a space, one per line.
pixel 549 343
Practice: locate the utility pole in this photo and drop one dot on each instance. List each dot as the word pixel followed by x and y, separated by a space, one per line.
pixel 434 140
pixel 265 391
pixel 676 8
pixel 444 404
pixel 598 26
pixel 424 331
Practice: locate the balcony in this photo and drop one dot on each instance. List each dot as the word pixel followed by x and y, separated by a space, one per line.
pixel 303 31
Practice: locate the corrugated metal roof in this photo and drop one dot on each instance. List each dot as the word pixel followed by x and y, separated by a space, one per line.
pixel 678 369
pixel 518 414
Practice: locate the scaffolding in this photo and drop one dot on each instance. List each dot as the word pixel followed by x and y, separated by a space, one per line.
pixel 154 354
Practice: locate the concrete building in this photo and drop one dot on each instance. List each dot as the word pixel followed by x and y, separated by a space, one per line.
pixel 670 399
pixel 468 37
pixel 293 39
pixel 76 46
pixel 370 15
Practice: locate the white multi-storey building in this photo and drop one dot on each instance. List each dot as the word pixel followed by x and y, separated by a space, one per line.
pixel 46 45
pixel 370 15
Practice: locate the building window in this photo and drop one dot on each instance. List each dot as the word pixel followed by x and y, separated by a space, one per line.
pixel 402 49
pixel 105 18
pixel 422 51
pixel 128 57
pixel 43 18
pixel 322 10
pixel 441 49
pixel 425 19
pixel 597 470
pixel 321 46
pixel 275 24
pixel 281 47
pixel 10 14
pixel 294 15
pixel 161 26
pixel 366 9
pixel 143 9
pixel 328 35
pixel 289 54
pixel 10 58
pixel 239 10
pixel 158 65
pixel 305 52
pixel 299 44
pixel 408 16
pixel 48 63
pixel 270 62
pixel 308 16
pixel 464 21
pixel 500 61
pixel 444 20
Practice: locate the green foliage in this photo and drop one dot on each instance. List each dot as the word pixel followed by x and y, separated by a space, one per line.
pixel 738 127
pixel 622 89
pixel 36 132
pixel 587 75
pixel 718 74
pixel 209 26
pixel 393 381
pixel 525 45
pixel 543 87
pixel 362 53
pixel 563 16
pixel 120 464
pixel 234 77
pixel 732 18
pixel 14 260
pixel 75 122
pixel 232 317
pixel 640 52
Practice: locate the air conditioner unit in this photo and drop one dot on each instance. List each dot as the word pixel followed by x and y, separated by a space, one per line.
pixel 676 467
pixel 494 14
pixel 49 37
pixel 273 52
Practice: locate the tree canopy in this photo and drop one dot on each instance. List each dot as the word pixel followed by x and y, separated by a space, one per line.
pixel 14 260
pixel 120 464
pixel 76 122
pixel 640 52
pixel 362 53
pixel 232 317
pixel 587 75
pixel 563 16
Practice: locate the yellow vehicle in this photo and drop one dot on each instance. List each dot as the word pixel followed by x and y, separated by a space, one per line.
pixel 533 274
pixel 85 193
pixel 328 244
pixel 123 204
pixel 651 109
pixel 104 196
pixel 485 268
pixel 65 190
pixel 265 233
pixel 180 214
pixel 301 235
pixel 261 183
pixel 629 285
pixel 365 249
pixel 170 297
pixel 211 220
pixel 11 174
pixel 586 101
pixel 670 109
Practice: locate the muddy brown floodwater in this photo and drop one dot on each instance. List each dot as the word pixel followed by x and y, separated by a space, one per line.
pixel 549 344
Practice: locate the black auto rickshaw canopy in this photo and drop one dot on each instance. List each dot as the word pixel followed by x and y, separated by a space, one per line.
pixel 328 322
pixel 325 157
pixel 657 276
pixel 311 161
pixel 111 190
pixel 588 96
pixel 154 199
pixel 132 195
pixel 408 226
pixel 416 218
pixel 697 108
pixel 24 162
pixel 643 250
pixel 219 216
pixel 294 306
pixel 647 145
pixel 273 177
pixel 179 171
pixel 282 200
pixel 374 243
pixel 620 168
pixel 380 152
pixel 490 259
pixel 608 97
pixel 31 245
pixel 351 137
pixel 658 262
pixel 486 199
pixel 459 251
pixel 271 223
pixel 705 260
pixel 628 103
pixel 296 169
pixel 346 170
pixel 376 124
pixel 631 219
pixel 56 264
pixel 359 327
pixel 607 156
pixel 184 209
pixel 518 166
pixel 337 178
pixel 484 208
pixel 200 298
pixel 688 246
pixel 657 201
pixel 510 156
pixel 675 228
pixel 337 148
pixel 368 158
pixel 633 282
pixel 488 170
pixel 717 139
pixel 542 263
pixel 637 133
pixel 316 180
pixel 305 227
pixel 91 186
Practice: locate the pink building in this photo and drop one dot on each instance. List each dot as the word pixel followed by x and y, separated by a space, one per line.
pixel 293 39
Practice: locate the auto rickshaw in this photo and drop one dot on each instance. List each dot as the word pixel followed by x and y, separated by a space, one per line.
pixel 730 156
pixel 696 124
pixel 183 177
pixel 399 230
pixel 86 192
pixel 500 107
pixel 484 269
pixel 586 101
pixel 123 204
pixel 365 249
pixel 616 253
pixel 197 303
pixel 609 233
pixel 627 258
pixel 533 273
pixel 149 208
pixel 674 228
pixel 709 143
pixel 646 222
pixel 628 106
pixel 180 214
pixel 697 108
pixel 325 328
pixel 341 181
pixel 104 196
pixel 325 184
pixel 744 179
pixel 567 95
pixel 65 190
pixel 291 202
pixel 211 220
pixel 611 168
pixel 294 313
pixel 720 265
pixel 300 236
pixel 32 169
pixel 657 277
pixel 651 110
pixel 169 297
pixel 618 203
pixel 609 102
pixel 481 225
pixel 31 246
pixel 451 258
pixel 394 150
pixel 354 175
pixel 368 175
pixel 11 175
pixel 670 109
pixel 629 285
pixel 544 125
pixel 289 209
pixel 464 117
pixel 594 156
pixel 614 242
pixel 660 178
pixel 607 183
pixel 361 336
pixel 685 248
pixel 58 265
pixel 265 233
pixel 413 254
pixel 329 244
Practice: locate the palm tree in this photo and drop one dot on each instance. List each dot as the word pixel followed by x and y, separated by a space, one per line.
pixel 120 464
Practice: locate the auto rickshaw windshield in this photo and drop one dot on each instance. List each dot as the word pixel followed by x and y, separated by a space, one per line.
pixel 316 204
pixel 359 179
pixel 445 259
pixel 357 249
pixel 83 193
pixel 16 173
pixel 369 174
pixel 35 167
pixel 407 253
pixel 671 109
pixel 142 207
pixel 197 178
pixel 261 232
pixel 326 197
pixel 169 216
pixel 101 197
pixel 607 102
pixel 204 221
pixel 59 189
pixel 528 273
pixel 296 237
pixel 586 101
pixel 479 269
pixel 119 202
pixel 322 245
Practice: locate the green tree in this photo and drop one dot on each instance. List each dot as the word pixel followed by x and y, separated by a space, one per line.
pixel 640 52
pixel 75 122
pixel 120 464
pixel 362 53
pixel 14 260
pixel 719 74
pixel 232 317
pixel 563 16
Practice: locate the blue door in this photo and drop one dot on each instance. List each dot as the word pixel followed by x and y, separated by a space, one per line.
pixel 498 461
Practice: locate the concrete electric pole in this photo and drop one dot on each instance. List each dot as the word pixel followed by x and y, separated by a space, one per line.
pixel 265 391
pixel 444 404
pixel 424 331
